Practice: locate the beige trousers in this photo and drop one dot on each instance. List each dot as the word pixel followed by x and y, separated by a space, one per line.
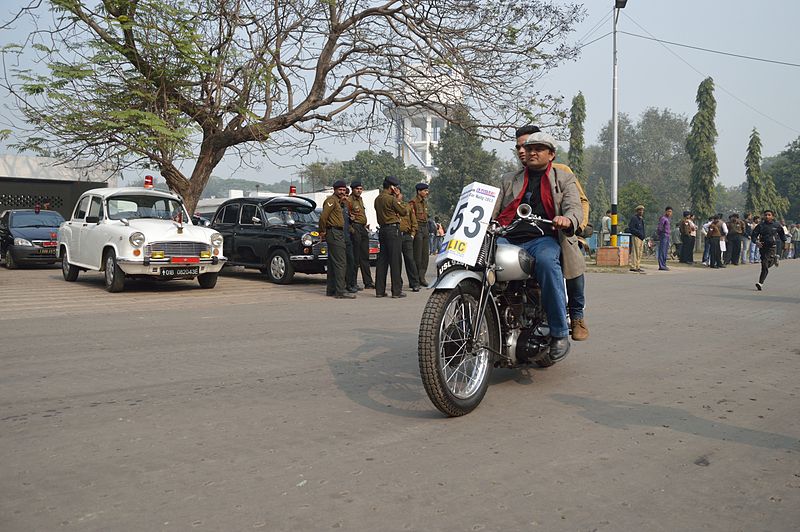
pixel 636 252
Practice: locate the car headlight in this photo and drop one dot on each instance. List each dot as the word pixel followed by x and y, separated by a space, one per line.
pixel 136 239
pixel 22 242
pixel 216 240
pixel 306 240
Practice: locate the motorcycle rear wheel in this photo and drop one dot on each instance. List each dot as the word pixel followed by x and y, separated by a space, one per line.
pixel 456 379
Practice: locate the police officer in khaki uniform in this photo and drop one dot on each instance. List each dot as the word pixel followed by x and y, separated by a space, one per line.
pixel 408 230
pixel 331 229
pixel 388 211
pixel 359 232
pixel 422 239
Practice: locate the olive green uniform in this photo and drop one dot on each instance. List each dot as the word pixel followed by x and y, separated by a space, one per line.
pixel 408 230
pixel 331 225
pixel 422 238
pixel 360 238
pixel 389 211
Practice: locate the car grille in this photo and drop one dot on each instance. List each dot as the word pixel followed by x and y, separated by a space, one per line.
pixel 172 249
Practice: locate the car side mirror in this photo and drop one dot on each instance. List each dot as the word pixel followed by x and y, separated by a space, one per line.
pixel 92 219
pixel 256 220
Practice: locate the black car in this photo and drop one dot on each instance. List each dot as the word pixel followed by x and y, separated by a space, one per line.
pixel 29 236
pixel 278 235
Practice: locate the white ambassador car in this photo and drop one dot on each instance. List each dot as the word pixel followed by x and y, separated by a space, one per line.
pixel 137 232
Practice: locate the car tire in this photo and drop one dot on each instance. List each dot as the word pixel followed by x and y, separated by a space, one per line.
pixel 114 276
pixel 279 268
pixel 208 280
pixel 10 262
pixel 69 271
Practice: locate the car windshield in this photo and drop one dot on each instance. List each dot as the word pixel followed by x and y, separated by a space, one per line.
pixel 311 218
pixel 145 206
pixel 33 219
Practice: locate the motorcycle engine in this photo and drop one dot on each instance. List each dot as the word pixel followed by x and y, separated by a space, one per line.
pixel 525 329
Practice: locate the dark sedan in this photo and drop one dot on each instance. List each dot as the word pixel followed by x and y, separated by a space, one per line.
pixel 29 236
pixel 278 236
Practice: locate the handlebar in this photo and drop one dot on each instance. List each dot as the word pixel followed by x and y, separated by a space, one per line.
pixel 524 214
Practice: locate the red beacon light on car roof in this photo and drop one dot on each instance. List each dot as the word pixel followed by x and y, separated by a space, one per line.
pixel 148 181
pixel 292 190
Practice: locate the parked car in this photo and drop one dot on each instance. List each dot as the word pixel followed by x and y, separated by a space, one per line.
pixel 29 236
pixel 137 232
pixel 278 235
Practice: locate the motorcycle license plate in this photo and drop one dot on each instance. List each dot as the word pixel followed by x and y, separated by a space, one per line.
pixel 174 272
pixel 446 265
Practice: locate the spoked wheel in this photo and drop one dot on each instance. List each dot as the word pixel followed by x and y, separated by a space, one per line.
pixel 455 370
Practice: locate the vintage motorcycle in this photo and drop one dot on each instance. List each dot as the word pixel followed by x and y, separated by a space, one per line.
pixel 482 317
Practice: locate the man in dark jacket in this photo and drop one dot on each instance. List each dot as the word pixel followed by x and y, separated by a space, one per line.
pixel 766 235
pixel 636 229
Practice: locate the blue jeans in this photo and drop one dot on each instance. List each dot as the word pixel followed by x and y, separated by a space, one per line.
pixel 576 299
pixel 547 252
pixel 663 251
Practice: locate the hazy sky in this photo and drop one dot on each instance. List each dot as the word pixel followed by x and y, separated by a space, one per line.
pixel 749 93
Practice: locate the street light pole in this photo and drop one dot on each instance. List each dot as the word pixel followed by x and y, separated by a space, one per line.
pixel 618 4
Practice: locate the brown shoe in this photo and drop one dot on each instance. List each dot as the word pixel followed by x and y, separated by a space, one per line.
pixel 579 330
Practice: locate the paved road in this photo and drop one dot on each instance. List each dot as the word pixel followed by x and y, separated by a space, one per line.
pixel 255 406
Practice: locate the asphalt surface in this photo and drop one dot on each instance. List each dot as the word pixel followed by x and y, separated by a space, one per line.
pixel 256 406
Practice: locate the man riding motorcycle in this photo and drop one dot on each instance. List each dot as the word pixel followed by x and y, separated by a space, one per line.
pixel 552 194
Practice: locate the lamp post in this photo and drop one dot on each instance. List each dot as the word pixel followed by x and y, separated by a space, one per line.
pixel 618 4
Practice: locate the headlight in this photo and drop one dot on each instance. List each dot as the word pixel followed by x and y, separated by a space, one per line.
pixel 22 242
pixel 216 240
pixel 306 240
pixel 136 239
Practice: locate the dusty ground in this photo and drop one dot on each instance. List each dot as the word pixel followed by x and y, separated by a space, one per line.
pixel 255 406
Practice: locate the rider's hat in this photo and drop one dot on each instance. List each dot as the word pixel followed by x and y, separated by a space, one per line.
pixel 541 138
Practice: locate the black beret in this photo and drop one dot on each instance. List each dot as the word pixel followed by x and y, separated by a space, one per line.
pixel 391 180
pixel 421 186
pixel 356 183
pixel 687 213
pixel 339 183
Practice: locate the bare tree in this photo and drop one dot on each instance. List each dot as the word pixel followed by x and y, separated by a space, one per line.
pixel 169 83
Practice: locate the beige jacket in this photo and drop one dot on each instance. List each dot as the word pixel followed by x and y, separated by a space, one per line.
pixel 566 197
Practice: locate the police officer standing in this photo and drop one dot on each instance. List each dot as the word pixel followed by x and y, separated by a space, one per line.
pixel 331 229
pixel 359 233
pixel 422 239
pixel 388 211
pixel 408 230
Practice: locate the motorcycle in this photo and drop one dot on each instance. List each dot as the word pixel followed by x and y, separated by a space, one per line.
pixel 482 317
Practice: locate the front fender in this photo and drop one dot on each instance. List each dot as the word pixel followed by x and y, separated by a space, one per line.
pixel 451 279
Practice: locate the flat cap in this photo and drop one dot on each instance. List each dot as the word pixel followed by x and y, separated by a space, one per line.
pixel 421 186
pixel 541 138
pixel 339 183
pixel 639 207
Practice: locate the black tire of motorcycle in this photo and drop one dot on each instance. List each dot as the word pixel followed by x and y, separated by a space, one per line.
pixel 429 361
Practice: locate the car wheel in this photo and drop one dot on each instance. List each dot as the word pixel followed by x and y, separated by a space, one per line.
pixel 279 269
pixel 10 263
pixel 208 280
pixel 69 271
pixel 114 276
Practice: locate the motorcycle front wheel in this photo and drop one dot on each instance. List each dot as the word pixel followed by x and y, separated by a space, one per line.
pixel 455 371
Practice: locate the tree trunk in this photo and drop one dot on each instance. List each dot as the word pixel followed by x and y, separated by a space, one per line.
pixel 191 189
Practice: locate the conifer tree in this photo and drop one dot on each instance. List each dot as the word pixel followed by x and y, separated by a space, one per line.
pixel 761 191
pixel 577 116
pixel 700 145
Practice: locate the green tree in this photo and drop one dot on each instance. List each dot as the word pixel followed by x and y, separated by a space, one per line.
pixel 761 191
pixel 730 200
pixel 633 194
pixel 157 83
pixel 318 175
pixel 785 171
pixel 700 145
pixel 577 116
pixel 461 160
pixel 600 201
pixel 372 168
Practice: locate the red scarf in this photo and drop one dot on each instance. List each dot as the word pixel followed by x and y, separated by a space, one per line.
pixel 508 214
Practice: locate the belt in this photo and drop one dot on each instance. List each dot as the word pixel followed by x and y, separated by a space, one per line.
pixel 395 223
pixel 334 227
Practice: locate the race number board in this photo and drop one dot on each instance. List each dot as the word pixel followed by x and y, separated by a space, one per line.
pixel 464 236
